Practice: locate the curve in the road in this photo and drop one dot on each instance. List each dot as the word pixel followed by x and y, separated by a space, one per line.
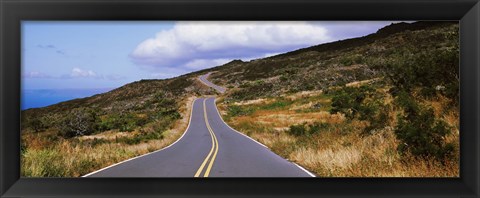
pixel 204 80
pixel 208 148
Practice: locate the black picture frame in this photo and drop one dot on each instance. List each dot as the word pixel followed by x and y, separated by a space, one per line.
pixel 12 12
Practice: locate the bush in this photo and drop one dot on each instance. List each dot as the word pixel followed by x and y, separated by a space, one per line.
pixel 235 110
pixel 35 121
pixel 123 122
pixel 306 130
pixel 298 130
pixel 364 103
pixel 419 132
pixel 409 67
pixel 79 121
pixel 349 100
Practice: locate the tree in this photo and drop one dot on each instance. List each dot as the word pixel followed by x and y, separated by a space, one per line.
pixel 79 122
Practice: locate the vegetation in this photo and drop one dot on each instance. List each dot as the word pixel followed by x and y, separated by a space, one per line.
pixel 382 105
pixel 420 133
pixel 94 132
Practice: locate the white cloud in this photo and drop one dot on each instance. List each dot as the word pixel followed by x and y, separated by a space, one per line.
pixel 194 44
pixel 36 74
pixel 80 73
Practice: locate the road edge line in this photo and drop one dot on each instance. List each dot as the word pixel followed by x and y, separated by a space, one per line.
pixel 218 112
pixel 300 167
pixel 305 170
pixel 118 163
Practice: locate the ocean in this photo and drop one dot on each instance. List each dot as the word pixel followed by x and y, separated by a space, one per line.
pixel 35 98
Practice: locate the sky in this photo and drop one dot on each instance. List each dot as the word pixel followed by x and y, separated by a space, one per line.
pixel 100 55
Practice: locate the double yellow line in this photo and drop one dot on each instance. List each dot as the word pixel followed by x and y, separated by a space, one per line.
pixel 214 147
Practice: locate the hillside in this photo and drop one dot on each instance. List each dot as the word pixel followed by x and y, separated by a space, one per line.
pixel 303 88
pixel 332 64
pixel 381 105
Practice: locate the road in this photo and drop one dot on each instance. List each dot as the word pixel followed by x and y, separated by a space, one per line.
pixel 203 79
pixel 208 148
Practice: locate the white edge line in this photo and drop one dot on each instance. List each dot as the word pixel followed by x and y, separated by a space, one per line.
pixel 185 132
pixel 308 172
pixel 215 103
pixel 301 168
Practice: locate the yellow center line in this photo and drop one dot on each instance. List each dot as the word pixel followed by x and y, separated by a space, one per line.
pixel 207 172
pixel 214 147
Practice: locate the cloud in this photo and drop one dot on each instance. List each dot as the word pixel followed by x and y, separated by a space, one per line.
pixel 196 45
pixel 80 73
pixel 35 74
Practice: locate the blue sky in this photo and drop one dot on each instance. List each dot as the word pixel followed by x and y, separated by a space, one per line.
pixel 92 55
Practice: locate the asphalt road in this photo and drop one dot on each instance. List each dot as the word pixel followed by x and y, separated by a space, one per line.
pixel 208 148
pixel 203 79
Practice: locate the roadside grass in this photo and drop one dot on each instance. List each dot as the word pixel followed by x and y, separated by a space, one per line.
pixel 48 155
pixel 331 145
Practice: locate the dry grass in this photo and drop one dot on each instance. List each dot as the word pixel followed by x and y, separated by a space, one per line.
pixel 47 157
pixel 360 83
pixel 341 150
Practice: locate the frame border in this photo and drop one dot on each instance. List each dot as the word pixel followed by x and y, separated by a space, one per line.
pixel 12 12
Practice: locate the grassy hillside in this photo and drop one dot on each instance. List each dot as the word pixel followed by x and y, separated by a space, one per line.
pixel 79 136
pixel 385 104
pixel 381 105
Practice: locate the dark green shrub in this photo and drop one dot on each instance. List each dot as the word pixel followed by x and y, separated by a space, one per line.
pixel 364 103
pixel 350 101
pixel 306 130
pixel 409 67
pixel 122 122
pixel 78 122
pixel 298 130
pixel 419 132
pixel 235 110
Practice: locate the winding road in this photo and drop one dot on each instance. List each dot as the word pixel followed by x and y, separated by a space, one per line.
pixel 208 148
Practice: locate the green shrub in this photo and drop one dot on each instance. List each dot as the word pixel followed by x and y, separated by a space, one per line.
pixel 235 110
pixel 363 103
pixel 306 130
pixel 419 132
pixel 122 122
pixel 409 67
pixel 78 122
pixel 298 130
